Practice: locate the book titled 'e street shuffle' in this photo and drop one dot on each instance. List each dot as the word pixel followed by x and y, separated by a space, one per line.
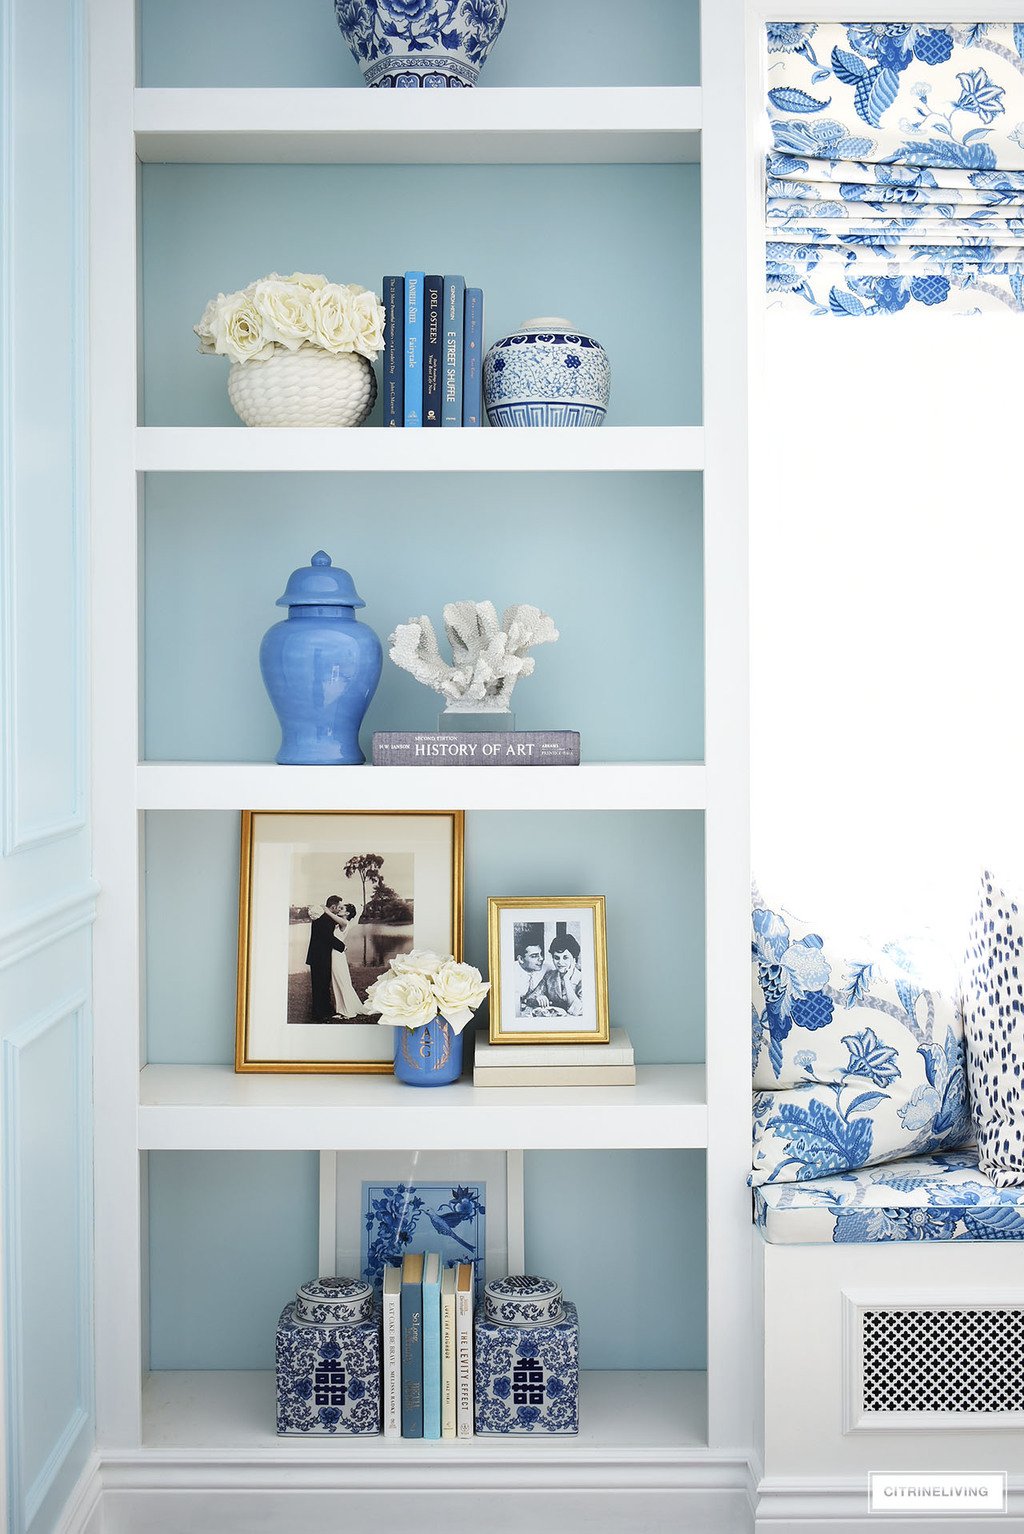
pixel 478 748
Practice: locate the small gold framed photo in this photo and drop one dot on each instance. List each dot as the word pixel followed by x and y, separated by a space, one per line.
pixel 326 900
pixel 548 970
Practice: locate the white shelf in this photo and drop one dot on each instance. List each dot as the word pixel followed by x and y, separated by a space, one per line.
pixel 210 1107
pixel 227 449
pixel 640 1416
pixel 588 125
pixel 266 786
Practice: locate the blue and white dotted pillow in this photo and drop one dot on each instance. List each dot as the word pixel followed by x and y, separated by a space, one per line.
pixel 994 1023
pixel 858 1051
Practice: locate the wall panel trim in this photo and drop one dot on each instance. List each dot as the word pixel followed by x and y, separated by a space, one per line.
pixel 48 924
pixel 26 1501
pixel 15 835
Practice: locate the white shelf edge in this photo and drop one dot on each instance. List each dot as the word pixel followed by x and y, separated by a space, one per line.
pixel 226 449
pixel 638 1416
pixel 190 1107
pixel 266 786
pixel 527 125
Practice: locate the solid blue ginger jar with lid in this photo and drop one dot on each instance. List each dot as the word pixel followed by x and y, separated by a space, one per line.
pixel 527 1358
pixel 321 667
pixel 328 1359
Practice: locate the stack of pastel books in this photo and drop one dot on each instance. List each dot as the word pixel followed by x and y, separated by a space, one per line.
pixel 555 1065
pixel 427 1359
pixel 433 351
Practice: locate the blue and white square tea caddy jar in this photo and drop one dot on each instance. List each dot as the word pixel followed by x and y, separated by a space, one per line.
pixel 527 1370
pixel 328 1359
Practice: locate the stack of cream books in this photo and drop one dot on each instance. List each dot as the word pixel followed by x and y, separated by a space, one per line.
pixel 555 1065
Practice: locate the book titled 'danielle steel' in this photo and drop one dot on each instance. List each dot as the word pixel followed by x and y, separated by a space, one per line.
pixel 479 748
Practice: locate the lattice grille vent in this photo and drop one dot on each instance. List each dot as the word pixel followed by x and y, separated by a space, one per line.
pixel 943 1360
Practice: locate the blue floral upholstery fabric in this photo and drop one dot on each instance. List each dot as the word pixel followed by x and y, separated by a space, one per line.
pixel 994 1023
pixel 857 1051
pixel 943 1197
pixel 895 182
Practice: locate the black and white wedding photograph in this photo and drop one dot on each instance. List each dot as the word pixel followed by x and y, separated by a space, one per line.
pixel 346 919
pixel 327 900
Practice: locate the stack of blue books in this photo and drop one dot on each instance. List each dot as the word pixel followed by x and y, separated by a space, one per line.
pixel 433 351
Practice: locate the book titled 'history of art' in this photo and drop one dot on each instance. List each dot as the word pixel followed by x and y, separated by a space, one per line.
pixel 479 748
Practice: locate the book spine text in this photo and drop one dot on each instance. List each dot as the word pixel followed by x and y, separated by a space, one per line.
pixel 433 295
pixel 414 348
pixel 453 318
pixel 472 368
pixel 394 351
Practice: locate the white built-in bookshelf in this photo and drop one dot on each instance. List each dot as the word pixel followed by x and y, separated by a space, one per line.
pixel 681 1436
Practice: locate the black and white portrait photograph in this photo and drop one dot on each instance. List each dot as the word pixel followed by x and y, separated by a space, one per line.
pixel 346 920
pixel 548 970
pixel 327 900
pixel 547 956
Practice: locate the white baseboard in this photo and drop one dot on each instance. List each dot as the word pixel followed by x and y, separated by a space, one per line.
pixel 813 1506
pixel 149 1494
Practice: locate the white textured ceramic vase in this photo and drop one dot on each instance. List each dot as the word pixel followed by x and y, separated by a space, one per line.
pixel 303 388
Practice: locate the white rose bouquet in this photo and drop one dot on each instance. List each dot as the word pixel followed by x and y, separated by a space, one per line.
pixel 289 313
pixel 417 987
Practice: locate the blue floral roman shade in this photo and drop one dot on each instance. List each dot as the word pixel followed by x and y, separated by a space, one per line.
pixel 895 181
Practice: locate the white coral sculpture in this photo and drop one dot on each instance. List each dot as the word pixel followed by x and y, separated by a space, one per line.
pixel 487 660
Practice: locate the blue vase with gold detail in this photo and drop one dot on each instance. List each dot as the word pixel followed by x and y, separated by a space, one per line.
pixel 321 667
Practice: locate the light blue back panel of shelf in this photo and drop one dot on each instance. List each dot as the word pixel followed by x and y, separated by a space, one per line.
pixel 297 42
pixel 571 240
pixel 615 558
pixel 648 864
pixel 232 1234
pixel 224 1224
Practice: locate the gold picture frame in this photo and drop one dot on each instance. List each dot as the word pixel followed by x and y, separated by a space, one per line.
pixel 406 865
pixel 551 1001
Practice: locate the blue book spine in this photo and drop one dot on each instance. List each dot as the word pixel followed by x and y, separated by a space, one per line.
pixel 454 304
pixel 432 1346
pixel 433 347
pixel 394 351
pixel 412 1359
pixel 414 348
pixel 473 363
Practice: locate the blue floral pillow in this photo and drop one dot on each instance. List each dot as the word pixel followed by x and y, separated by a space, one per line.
pixel 858 1052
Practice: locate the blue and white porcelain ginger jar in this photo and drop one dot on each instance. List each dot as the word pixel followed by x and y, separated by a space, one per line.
pixel 328 1360
pixel 547 373
pixel 527 1358
pixel 420 43
pixel 321 667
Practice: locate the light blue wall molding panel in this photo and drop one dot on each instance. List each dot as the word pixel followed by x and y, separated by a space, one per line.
pixel 41 314
pixel 47 899
pixel 47 1239
pixel 615 558
pixel 254 1216
pixel 571 240
pixel 649 865
pixel 296 42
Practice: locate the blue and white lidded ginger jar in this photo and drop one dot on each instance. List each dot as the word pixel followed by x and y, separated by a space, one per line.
pixel 321 667
pixel 328 1359
pixel 527 1370
pixel 547 374
pixel 420 43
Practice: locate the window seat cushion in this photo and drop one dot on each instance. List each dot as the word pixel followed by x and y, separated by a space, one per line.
pixel 940 1197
